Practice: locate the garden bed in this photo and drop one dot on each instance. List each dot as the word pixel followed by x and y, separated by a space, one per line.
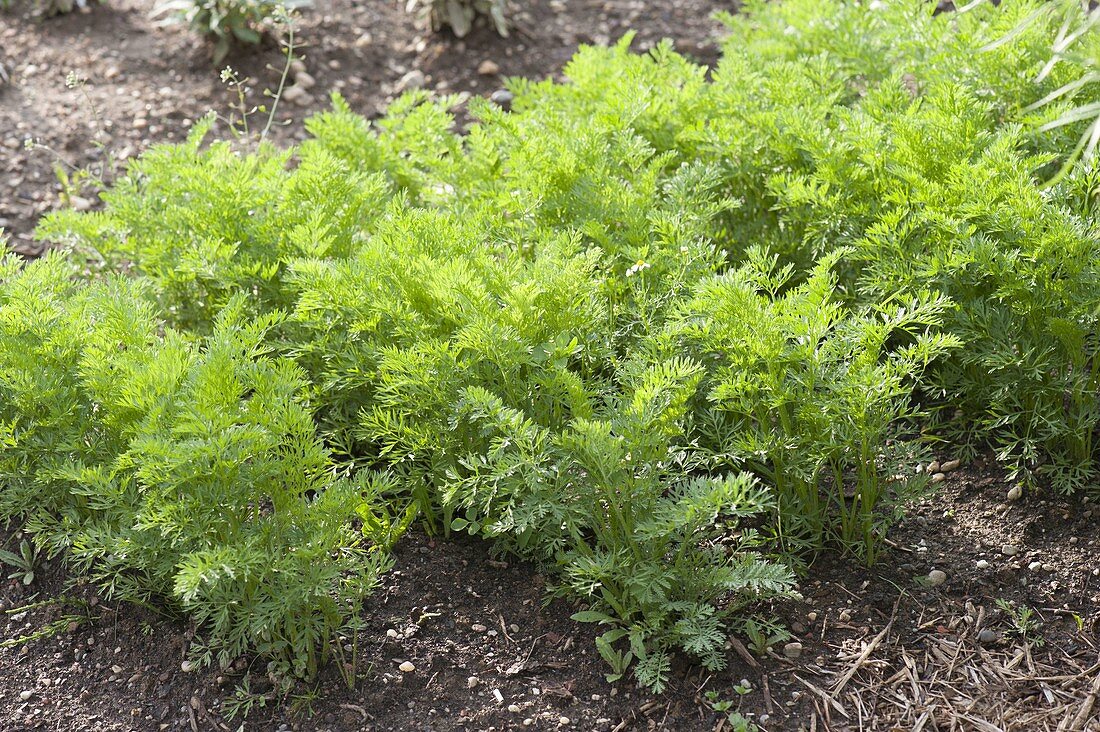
pixel 981 610
pixel 907 651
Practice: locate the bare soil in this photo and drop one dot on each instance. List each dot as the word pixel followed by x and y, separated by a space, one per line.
pixel 880 648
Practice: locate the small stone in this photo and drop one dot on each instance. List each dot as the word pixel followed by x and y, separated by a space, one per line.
pixel 472 682
pixel 478 628
pixel 792 650
pixel 364 40
pixel 1010 550
pixel 296 95
pixel 563 721
pixel 982 564
pixel 502 98
pixel 79 203
pixel 116 669
pixel 938 478
pixel 528 722
pixel 406 667
pixel 1015 493
pixel 811 616
pixel 334 64
pixel 949 466
pixel 297 66
pixel 498 696
pixel 987 636
pixel 187 667
pixel 391 633
pixel 413 80
pixel 845 616
pixel 513 708
pixel 936 578
pixel 25 695
pixel 933 467
pixel 1034 566
pixel 513 628
pixel 488 68
pixel 305 81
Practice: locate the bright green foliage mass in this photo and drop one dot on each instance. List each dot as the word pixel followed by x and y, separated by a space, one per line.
pixel 173 467
pixel 666 331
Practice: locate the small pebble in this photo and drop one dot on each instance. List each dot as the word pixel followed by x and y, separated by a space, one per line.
pixel 563 721
pixel 1009 550
pixel 936 578
pixel 949 466
pixel 305 81
pixel 472 682
pixel 987 636
pixel 1015 493
pixel 488 67
pixel 406 667
pixel 845 616
pixel 982 564
pixel 1034 566
pixel 187 667
pixel 296 95
pixel 503 98
pixel 933 467
pixel 478 628
pixel 513 708
pixel 415 79
pixel 25 695
pixel 792 650
pixel 938 478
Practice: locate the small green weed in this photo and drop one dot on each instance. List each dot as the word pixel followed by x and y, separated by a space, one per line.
pixel 24 562
pixel 1025 621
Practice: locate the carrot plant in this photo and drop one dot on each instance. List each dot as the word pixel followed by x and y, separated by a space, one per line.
pixel 665 331
pixel 170 467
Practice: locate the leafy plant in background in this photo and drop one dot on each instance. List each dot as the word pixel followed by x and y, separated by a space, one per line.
pixel 50 8
pixel 23 563
pixel 459 15
pixel 227 22
pixel 1076 45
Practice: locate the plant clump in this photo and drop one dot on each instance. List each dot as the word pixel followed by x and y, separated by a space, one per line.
pixel 670 333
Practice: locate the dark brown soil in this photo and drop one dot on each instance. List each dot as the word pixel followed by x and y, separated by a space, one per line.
pixel 908 654
pixel 474 626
